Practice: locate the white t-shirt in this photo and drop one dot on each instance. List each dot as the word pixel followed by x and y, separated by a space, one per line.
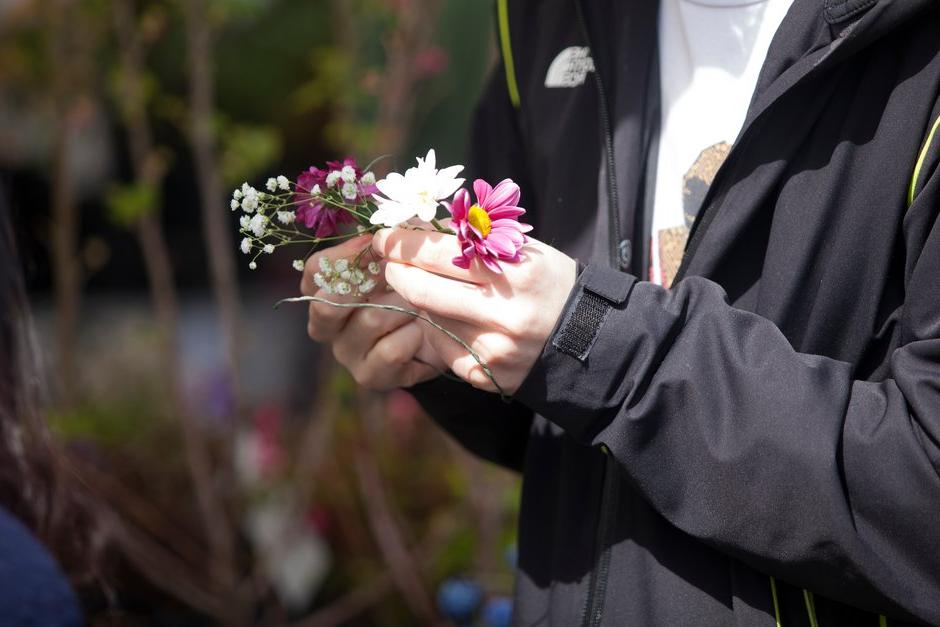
pixel 711 52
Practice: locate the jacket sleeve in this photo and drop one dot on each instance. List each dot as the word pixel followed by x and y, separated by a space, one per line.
pixel 480 421
pixel 777 458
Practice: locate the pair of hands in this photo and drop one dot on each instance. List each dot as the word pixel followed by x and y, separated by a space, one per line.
pixel 506 318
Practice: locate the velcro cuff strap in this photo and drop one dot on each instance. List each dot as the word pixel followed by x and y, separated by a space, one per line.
pixel 601 289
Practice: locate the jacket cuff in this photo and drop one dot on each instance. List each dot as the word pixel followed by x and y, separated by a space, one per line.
pixel 587 367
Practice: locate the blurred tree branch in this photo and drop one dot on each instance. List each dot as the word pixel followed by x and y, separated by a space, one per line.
pixel 149 169
pixel 202 137
pixel 65 59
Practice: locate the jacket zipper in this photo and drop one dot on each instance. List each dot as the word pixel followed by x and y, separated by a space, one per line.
pixel 612 195
pixel 597 584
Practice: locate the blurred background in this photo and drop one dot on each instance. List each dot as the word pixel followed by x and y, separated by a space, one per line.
pixel 242 477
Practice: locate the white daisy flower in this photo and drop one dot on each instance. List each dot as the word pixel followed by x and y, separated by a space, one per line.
pixel 244 221
pixel 416 193
pixel 342 288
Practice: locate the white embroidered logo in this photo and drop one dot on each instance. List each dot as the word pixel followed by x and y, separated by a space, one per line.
pixel 570 68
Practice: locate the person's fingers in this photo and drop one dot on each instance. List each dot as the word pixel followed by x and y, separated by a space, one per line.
pixel 441 296
pixel 390 363
pixel 366 326
pixel 324 321
pixel 430 251
pixel 457 358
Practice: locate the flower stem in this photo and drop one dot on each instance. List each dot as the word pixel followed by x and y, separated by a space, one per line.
pixel 441 228
pixel 476 357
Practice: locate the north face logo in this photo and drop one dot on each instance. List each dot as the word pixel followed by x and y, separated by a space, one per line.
pixel 570 68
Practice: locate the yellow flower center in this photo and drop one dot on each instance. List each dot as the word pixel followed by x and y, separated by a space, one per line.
pixel 480 220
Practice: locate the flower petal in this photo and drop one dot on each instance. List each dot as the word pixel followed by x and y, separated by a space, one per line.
pixel 505 212
pixel 458 208
pixel 505 193
pixel 482 189
pixel 444 188
pixel 491 263
pixel 501 244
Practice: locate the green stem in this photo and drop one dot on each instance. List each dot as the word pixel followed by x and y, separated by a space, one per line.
pixel 441 228
pixel 408 312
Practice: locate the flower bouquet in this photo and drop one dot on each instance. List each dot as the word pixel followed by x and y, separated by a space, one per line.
pixel 325 206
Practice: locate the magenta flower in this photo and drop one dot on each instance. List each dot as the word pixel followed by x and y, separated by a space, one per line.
pixel 489 229
pixel 340 180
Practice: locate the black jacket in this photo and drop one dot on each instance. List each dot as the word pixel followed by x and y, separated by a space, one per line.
pixel 761 443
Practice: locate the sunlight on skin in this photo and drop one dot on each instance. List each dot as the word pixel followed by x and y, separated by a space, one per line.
pixel 506 318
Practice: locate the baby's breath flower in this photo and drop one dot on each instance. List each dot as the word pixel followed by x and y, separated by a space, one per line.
pixel 367 286
pixel 250 202
pixel 283 183
pixel 356 276
pixel 350 191
pixel 237 194
pixel 271 184
pixel 341 265
pixel 348 173
pixel 325 265
pixel 245 222
pixel 246 245
pixel 333 178
pixel 345 275
pixel 269 248
pixel 342 288
pixel 368 178
pixel 252 266
pixel 258 224
pixel 298 265
pixel 374 267
pixel 319 280
pixel 315 191
pixel 234 204
pixel 286 217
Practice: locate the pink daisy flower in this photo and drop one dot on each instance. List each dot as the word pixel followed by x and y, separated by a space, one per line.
pixel 489 229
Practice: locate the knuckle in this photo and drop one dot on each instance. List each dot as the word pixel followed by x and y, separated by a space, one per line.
pixel 342 355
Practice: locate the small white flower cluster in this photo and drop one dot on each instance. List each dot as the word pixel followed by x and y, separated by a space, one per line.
pixel 343 277
pixel 265 213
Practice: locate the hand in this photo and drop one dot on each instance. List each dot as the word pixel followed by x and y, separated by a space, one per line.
pixel 506 318
pixel 377 347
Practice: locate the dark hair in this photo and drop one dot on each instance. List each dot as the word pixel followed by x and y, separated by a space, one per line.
pixel 34 484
